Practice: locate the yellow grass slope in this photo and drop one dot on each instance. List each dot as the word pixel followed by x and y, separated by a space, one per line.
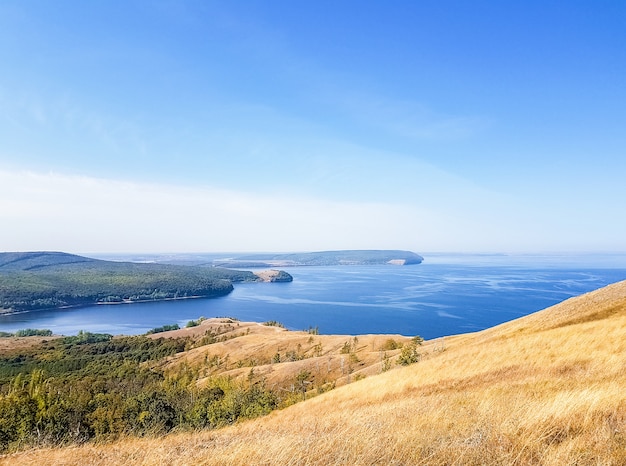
pixel 278 355
pixel 547 389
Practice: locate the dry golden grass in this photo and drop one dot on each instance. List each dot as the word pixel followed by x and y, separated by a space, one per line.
pixel 547 389
pixel 15 343
pixel 251 344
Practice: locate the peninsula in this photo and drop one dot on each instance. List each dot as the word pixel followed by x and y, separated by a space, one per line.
pixel 52 280
pixel 344 257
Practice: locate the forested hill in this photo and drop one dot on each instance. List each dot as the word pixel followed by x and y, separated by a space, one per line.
pixel 47 280
pixel 344 257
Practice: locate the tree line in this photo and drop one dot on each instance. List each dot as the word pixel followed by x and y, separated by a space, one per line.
pixel 86 283
pixel 95 387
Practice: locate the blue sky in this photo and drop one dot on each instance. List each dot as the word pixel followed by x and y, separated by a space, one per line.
pixel 180 126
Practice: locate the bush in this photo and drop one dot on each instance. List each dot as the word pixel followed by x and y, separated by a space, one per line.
pixel 195 323
pixel 84 338
pixel 417 340
pixel 273 323
pixel 409 353
pixel 33 332
pixel 389 345
pixel 164 328
pixel 346 348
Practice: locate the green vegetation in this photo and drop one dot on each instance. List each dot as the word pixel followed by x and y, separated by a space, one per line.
pixel 385 362
pixel 96 387
pixel 409 353
pixel 273 323
pixel 28 332
pixel 390 344
pixel 350 346
pixel 84 338
pixel 195 323
pixel 32 281
pixel 346 348
pixel 163 328
pixel 302 380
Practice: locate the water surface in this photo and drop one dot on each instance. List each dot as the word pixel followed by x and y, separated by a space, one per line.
pixel 444 295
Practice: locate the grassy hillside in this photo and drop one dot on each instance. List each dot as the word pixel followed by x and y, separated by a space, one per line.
pixel 254 351
pixel 92 387
pixel 545 389
pixel 47 280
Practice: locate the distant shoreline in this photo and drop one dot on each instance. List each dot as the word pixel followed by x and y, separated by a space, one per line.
pixel 134 301
pixel 126 301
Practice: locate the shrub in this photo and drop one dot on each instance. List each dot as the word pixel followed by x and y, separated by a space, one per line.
pixel 164 328
pixel 409 354
pixel 389 345
pixel 417 340
pixel 33 332
pixel 195 323
pixel 273 323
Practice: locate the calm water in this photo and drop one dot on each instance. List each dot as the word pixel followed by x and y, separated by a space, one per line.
pixel 445 295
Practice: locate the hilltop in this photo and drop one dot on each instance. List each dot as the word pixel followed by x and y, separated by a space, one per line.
pixel 49 280
pixel 544 389
pixel 22 261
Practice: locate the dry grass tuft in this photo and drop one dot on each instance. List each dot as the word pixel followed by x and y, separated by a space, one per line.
pixel 546 389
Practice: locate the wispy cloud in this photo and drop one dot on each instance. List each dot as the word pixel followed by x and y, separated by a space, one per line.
pixel 75 213
pixel 52 211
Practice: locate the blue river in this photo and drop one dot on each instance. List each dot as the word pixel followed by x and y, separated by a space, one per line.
pixel 445 295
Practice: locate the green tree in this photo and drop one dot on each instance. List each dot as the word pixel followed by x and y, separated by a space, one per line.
pixel 302 380
pixel 409 354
